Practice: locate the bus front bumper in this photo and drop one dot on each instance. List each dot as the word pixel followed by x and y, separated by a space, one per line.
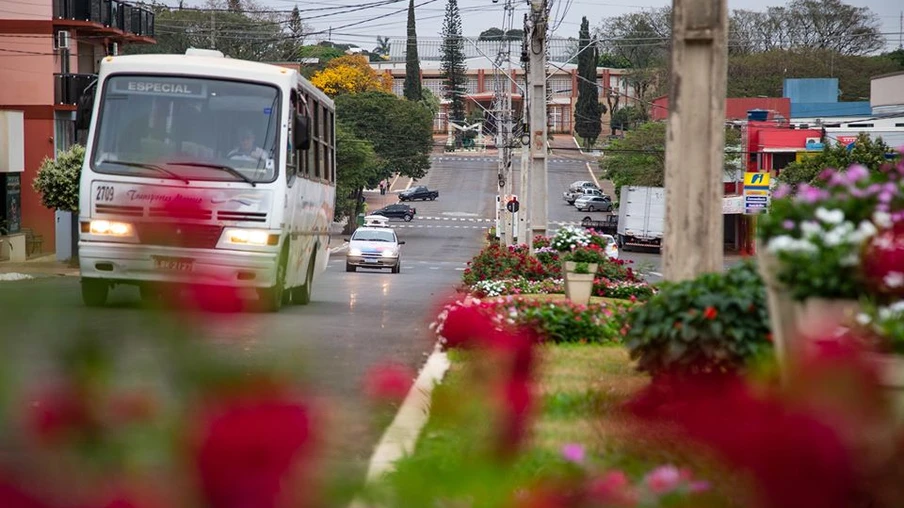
pixel 137 264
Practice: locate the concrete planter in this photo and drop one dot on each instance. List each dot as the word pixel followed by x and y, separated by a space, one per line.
pixel 570 267
pixel 579 287
pixel 793 321
pixel 891 375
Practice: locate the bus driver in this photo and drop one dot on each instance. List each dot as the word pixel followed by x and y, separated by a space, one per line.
pixel 246 149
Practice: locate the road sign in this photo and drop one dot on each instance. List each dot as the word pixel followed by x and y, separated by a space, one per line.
pixel 513 205
pixel 756 192
pixel 755 179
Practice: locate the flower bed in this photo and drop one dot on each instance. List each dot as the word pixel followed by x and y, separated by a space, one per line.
pixel 498 270
pixel 559 321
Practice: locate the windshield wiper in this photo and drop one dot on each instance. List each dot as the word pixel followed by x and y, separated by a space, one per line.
pixel 229 169
pixel 146 165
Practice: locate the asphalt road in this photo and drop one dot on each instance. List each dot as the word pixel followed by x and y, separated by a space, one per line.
pixel 356 320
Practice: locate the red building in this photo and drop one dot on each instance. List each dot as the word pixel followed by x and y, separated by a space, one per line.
pixel 735 108
pixel 50 51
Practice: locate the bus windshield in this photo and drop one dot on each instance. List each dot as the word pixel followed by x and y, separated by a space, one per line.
pixel 188 128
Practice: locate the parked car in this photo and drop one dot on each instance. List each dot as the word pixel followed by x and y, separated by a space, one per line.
pixel 571 196
pixel 594 204
pixel 608 226
pixel 397 211
pixel 611 246
pixel 419 192
pixel 582 184
pixel 374 247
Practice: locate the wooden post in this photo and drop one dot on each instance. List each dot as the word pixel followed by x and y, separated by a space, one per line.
pixel 695 140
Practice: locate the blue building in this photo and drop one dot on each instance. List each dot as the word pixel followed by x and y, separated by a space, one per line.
pixel 813 98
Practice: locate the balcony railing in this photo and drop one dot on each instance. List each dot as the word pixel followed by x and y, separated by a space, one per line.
pixel 113 14
pixel 67 88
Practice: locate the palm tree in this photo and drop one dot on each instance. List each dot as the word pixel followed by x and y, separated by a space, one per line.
pixel 382 46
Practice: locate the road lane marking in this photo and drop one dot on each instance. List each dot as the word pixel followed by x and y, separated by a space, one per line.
pixel 595 181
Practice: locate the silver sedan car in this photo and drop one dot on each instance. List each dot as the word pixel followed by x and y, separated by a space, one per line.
pixel 374 247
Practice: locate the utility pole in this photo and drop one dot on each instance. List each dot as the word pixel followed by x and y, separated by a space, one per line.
pixel 695 142
pixel 536 49
pixel 213 31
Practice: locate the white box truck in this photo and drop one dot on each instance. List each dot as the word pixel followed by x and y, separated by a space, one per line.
pixel 641 217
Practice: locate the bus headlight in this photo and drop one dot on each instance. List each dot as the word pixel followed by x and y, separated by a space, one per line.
pixel 109 228
pixel 251 237
pixel 389 253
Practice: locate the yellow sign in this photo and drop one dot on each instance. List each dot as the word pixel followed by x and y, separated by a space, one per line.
pixel 755 192
pixel 756 179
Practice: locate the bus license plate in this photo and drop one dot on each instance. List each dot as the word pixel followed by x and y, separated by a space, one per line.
pixel 173 264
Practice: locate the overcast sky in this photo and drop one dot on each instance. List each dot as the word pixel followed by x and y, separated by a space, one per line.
pixel 478 15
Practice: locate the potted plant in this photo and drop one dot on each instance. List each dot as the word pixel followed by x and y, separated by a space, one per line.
pixel 834 251
pixel 579 282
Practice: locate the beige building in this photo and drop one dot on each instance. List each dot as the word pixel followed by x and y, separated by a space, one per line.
pixel 482 78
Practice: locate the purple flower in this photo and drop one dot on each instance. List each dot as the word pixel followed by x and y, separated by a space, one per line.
pixel 885 197
pixel 573 452
pixel 810 194
pixel 857 172
pixel 788 224
pixel 698 486
pixel 781 191
pixel 874 188
pixel 663 479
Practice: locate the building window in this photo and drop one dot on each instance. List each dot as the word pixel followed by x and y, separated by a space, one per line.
pixel 472 85
pixel 561 87
pixel 398 86
pixel 435 85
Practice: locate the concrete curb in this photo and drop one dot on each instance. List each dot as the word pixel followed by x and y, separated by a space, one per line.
pixel 401 436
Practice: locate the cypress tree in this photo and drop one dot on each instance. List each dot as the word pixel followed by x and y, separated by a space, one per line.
pixel 412 88
pixel 453 62
pixel 588 110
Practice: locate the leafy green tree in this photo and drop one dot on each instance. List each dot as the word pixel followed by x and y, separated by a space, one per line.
pixel 453 62
pixel 588 110
pixel 412 87
pixel 491 34
pixel 357 167
pixel 400 131
pixel 57 180
pixel 639 158
pixel 896 56
pixel 866 151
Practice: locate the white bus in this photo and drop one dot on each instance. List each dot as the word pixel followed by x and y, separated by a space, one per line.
pixel 207 170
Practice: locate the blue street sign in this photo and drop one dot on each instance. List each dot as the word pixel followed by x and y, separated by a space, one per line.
pixel 756 199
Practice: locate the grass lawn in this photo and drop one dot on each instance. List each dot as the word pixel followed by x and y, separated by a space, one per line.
pixel 580 390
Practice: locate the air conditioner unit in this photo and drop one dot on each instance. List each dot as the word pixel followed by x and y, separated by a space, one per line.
pixel 62 40
pixel 812 141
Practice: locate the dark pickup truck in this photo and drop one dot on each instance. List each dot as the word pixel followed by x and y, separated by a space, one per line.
pixel 608 226
pixel 419 192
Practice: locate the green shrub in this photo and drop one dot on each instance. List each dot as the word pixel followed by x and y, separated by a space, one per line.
pixel 712 324
pixel 58 180
pixel 497 261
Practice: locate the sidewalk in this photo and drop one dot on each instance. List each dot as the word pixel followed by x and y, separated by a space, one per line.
pixel 44 266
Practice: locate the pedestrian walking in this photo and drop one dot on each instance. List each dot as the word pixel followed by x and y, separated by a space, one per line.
pixel 383 188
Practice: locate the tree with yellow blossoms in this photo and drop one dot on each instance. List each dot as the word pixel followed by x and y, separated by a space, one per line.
pixel 350 74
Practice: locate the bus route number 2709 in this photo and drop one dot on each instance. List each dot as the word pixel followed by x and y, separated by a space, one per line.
pixel 104 193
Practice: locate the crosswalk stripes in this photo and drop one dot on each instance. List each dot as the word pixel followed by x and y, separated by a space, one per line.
pixel 496 159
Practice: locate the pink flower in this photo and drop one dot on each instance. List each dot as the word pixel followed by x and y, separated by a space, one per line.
pixel 573 452
pixel 663 479
pixel 613 488
pixel 388 382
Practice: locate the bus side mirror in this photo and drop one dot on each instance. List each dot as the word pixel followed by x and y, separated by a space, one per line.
pixel 85 107
pixel 302 132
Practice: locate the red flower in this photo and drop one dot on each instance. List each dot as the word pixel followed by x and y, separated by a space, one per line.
pixel 60 412
pixel 612 489
pixel 516 405
pixel 883 261
pixel 794 456
pixel 463 324
pixel 710 313
pixel 247 449
pixel 388 382
pixel 12 496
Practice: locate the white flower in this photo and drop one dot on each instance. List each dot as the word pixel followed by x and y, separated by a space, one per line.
pixel 785 243
pixel 894 279
pixel 811 228
pixel 863 319
pixel 830 216
pixel 882 219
